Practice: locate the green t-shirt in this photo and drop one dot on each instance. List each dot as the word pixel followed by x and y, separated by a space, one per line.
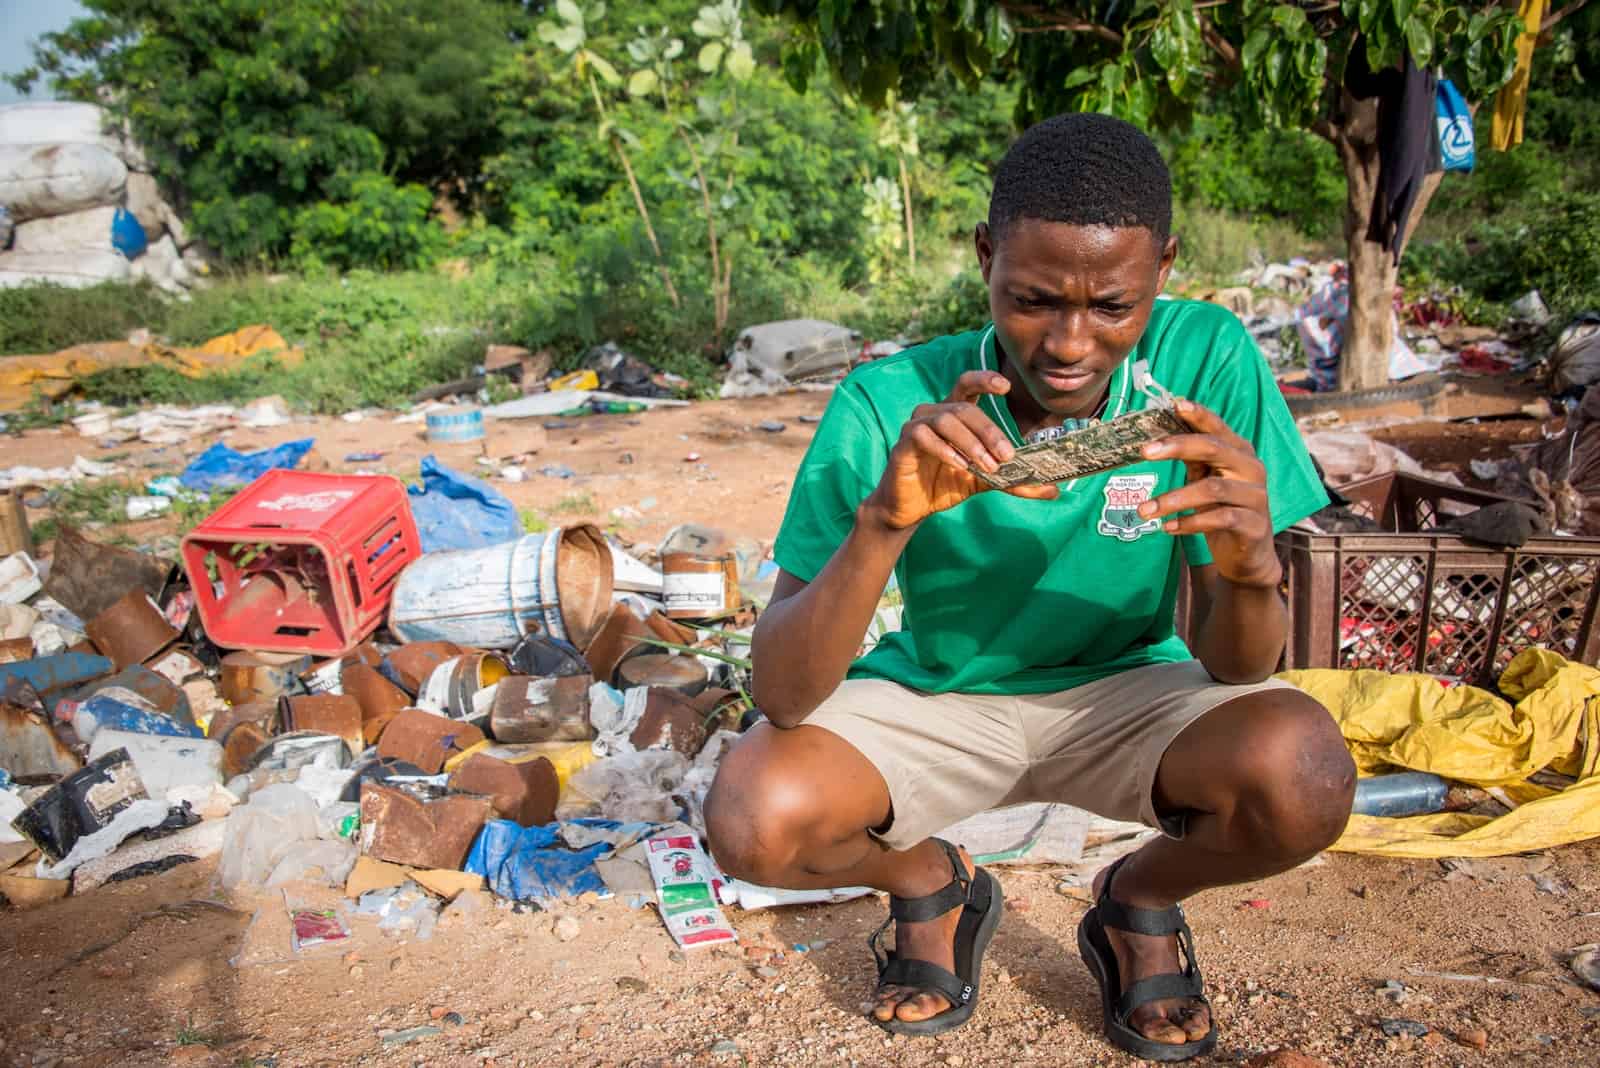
pixel 1010 596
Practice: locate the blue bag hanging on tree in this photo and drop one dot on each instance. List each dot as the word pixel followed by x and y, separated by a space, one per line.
pixel 127 236
pixel 1455 127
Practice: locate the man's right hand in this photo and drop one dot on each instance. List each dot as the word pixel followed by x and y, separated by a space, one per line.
pixel 930 467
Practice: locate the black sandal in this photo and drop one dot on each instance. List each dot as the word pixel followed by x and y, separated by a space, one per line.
pixel 981 903
pixel 1118 1005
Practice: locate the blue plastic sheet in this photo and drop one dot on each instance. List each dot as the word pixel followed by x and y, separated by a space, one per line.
pixel 528 863
pixel 220 466
pixel 456 511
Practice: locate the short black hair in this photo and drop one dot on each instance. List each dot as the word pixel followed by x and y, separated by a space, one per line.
pixel 1084 169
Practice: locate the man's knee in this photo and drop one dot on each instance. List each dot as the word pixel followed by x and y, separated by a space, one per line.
pixel 1293 776
pixel 758 816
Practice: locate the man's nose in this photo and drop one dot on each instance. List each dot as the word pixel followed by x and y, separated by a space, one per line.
pixel 1070 339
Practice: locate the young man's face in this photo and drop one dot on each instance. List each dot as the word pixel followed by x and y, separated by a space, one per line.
pixel 1069 303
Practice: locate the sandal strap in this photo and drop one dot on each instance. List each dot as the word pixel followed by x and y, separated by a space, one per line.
pixel 954 894
pixel 1136 920
pixel 1158 988
pixel 920 975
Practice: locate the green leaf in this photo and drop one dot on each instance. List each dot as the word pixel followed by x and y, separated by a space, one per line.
pixel 1419 39
pixel 1402 13
pixel 1277 65
pixel 674 48
pixel 568 39
pixel 1164 47
pixel 570 12
pixel 1250 57
pixel 741 61
pixel 597 10
pixel 710 57
pixel 643 83
pixel 604 68
pixel 1080 76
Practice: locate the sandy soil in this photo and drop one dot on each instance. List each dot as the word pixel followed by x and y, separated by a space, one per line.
pixel 138 973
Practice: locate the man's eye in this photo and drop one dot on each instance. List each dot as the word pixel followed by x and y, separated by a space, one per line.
pixel 1030 302
pixel 1115 309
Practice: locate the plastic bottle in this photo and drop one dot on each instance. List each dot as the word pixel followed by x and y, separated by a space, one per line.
pixel 1406 793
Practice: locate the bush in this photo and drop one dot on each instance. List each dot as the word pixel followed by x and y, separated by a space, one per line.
pixel 371 223
pixel 44 318
pixel 1260 172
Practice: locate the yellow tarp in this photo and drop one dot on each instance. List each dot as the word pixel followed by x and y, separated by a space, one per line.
pixel 54 374
pixel 1412 722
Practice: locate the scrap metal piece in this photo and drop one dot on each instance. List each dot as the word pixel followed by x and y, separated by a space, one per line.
pixel 249 676
pixel 425 739
pixel 87 577
pixel 1091 451
pixel 424 827
pixel 524 792
pixel 670 721
pixel 542 710
pixel 132 630
pixel 335 714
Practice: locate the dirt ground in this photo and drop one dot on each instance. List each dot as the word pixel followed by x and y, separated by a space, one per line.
pixel 138 973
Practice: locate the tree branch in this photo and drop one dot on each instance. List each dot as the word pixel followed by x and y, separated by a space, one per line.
pixel 1046 20
pixel 1218 43
pixel 1555 17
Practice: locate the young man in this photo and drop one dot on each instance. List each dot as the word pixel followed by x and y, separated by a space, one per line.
pixel 1037 660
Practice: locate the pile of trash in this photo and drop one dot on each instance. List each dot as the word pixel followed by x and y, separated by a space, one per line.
pixel 335 704
pixel 81 206
pixel 1303 318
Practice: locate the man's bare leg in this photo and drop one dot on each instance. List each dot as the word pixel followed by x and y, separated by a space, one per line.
pixel 791 808
pixel 1267 783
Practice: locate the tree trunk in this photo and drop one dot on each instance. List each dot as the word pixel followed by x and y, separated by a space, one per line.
pixel 1369 331
pixel 911 231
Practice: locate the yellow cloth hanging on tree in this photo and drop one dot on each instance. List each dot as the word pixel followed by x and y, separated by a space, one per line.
pixel 1512 102
pixel 1412 722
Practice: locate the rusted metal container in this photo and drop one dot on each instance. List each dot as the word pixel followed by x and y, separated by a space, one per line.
pixel 15 537
pixel 683 674
pixel 426 739
pixel 541 710
pixel 670 721
pixel 623 635
pixel 380 699
pixel 335 714
pixel 697 586
pixel 131 630
pixel 523 791
pixel 420 826
pixel 409 666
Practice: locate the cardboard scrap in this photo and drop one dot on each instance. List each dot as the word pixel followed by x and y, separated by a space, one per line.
pixel 373 874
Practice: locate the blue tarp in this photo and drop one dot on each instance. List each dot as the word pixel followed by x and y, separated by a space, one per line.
pixel 220 466
pixel 456 511
pixel 528 863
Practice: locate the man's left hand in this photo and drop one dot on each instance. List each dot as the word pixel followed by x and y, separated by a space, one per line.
pixel 1224 498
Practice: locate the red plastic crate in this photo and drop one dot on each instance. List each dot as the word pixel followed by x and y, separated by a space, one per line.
pixel 302 563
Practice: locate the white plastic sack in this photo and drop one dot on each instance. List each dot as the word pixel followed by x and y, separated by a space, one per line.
pixel 163 265
pixel 261 833
pixel 164 762
pixel 75 270
pixel 38 181
pixel 78 231
pixel 65 122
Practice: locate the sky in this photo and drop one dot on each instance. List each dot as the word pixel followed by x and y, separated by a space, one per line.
pixel 23 22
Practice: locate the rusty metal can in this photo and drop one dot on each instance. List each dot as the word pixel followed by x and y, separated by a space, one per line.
pixel 694 586
pixel 132 630
pixel 683 674
pixel 380 699
pixel 541 710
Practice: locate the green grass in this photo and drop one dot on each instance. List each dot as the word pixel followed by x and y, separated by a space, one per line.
pixel 574 504
pixel 532 522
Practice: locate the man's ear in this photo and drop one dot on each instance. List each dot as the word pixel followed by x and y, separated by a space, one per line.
pixel 1169 255
pixel 983 242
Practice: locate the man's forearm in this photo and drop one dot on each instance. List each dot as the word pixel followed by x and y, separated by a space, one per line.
pixel 1241 637
pixel 804 644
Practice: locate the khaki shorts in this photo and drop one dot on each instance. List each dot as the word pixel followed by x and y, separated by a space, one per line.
pixel 949 756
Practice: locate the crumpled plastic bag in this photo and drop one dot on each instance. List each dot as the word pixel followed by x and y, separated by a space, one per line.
pixel 457 511
pixel 528 863
pixel 220 466
pixel 1471 736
